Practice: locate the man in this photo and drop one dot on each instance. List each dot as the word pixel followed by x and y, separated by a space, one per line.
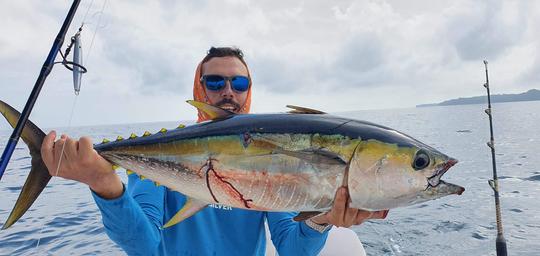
pixel 133 217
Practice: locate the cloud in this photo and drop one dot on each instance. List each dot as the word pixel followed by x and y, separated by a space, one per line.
pixel 361 61
pixel 339 55
pixel 486 29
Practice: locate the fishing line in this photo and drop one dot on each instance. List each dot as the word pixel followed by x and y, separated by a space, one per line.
pixel 69 126
pixel 66 63
pixel 59 162
pixel 87 11
pixel 58 166
pixel 96 29
pixel 83 71
pixel 76 93
pixel 372 226
pixel 65 54
pixel 39 235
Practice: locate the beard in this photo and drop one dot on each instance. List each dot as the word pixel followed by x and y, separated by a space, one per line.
pixel 227 104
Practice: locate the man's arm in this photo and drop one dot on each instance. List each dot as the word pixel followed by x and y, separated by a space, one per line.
pixel 134 219
pixel 298 238
pixel 131 218
pixel 294 238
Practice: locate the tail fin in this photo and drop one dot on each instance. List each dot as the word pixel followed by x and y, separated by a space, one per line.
pixel 39 175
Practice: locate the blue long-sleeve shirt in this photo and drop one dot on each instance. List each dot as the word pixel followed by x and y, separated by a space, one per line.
pixel 134 222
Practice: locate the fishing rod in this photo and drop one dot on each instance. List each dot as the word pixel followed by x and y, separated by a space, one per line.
pixel 500 242
pixel 45 71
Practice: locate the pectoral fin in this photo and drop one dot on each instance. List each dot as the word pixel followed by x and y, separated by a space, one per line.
pixel 321 156
pixel 191 207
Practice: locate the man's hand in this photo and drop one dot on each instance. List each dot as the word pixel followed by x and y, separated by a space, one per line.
pixel 342 216
pixel 82 163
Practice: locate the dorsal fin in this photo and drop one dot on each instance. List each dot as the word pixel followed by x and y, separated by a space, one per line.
pixel 212 111
pixel 303 110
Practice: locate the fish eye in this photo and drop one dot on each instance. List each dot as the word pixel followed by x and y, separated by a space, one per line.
pixel 421 160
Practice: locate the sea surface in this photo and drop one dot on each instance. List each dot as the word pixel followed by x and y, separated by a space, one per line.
pixel 65 221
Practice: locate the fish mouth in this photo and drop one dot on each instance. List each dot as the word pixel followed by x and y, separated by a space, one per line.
pixel 440 170
pixel 436 185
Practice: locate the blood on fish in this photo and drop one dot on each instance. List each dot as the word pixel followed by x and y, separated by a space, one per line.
pixel 229 187
pixel 268 183
pixel 225 185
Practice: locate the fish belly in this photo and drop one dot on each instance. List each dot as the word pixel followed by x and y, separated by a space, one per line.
pixel 263 182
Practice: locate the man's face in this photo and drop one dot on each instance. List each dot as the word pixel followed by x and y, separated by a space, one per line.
pixel 226 98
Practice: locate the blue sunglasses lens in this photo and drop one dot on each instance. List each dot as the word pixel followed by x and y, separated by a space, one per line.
pixel 216 83
pixel 240 83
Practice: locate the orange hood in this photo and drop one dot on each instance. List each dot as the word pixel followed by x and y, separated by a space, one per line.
pixel 199 94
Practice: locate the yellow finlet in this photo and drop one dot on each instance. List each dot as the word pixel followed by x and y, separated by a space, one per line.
pixel 157 184
pixel 129 172
pixel 133 136
pixel 212 111
pixel 163 130
pixel 115 167
pixel 191 207
pixel 142 177
pixel 181 126
pixel 119 138
pixel 146 133
pixel 105 141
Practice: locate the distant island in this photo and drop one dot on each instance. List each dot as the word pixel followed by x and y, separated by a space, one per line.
pixel 530 95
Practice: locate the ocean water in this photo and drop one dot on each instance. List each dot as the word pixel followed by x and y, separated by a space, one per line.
pixel 65 221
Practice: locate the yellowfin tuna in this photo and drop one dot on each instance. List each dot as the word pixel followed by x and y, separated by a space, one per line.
pixel 270 162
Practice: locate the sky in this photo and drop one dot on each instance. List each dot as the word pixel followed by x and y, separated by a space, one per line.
pixel 329 55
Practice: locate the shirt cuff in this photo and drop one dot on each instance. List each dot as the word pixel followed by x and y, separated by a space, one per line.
pixel 311 232
pixel 115 201
pixel 321 228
